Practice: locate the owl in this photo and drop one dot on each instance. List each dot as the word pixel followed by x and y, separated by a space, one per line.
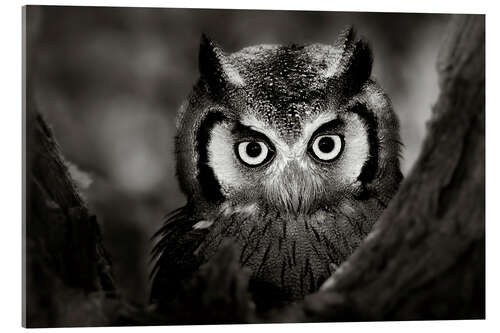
pixel 291 151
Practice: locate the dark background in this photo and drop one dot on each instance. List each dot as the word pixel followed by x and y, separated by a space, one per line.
pixel 110 80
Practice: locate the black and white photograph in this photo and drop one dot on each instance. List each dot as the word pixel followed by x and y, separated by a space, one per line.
pixel 189 166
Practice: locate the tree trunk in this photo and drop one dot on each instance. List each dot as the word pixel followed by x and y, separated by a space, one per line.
pixel 67 270
pixel 424 259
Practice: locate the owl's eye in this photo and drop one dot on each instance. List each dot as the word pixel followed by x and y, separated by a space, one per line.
pixel 326 147
pixel 253 153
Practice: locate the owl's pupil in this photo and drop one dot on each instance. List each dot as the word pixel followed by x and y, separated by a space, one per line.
pixel 253 149
pixel 326 144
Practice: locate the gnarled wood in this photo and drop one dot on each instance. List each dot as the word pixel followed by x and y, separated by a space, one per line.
pixel 68 273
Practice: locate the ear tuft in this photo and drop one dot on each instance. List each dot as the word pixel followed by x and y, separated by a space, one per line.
pixel 358 67
pixel 345 38
pixel 210 57
pixel 216 68
pixel 352 65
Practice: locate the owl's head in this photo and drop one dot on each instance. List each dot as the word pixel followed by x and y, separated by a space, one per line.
pixel 297 129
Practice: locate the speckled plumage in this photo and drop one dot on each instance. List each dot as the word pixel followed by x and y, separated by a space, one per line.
pixel 295 218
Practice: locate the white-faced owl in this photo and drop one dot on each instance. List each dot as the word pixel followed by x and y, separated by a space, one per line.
pixel 293 152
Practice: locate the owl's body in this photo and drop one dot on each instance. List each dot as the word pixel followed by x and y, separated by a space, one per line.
pixel 293 152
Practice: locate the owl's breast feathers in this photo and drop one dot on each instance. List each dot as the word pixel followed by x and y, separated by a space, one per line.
pixel 289 255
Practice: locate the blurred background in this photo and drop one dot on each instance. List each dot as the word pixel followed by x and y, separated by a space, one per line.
pixel 110 80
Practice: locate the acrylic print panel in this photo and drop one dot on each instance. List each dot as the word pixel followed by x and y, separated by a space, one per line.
pixel 189 166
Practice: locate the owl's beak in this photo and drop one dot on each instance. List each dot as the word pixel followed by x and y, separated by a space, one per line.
pixel 293 189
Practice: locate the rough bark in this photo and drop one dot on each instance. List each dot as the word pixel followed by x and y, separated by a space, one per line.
pixel 424 259
pixel 66 264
